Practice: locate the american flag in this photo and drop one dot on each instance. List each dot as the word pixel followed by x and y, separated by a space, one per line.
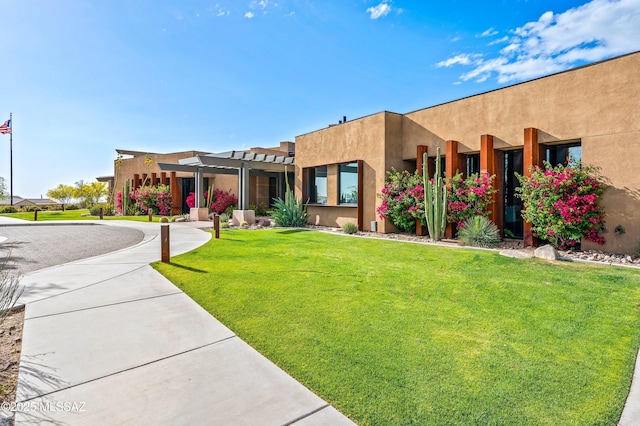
pixel 6 127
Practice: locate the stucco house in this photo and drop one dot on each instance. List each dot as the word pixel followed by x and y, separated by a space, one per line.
pixel 591 113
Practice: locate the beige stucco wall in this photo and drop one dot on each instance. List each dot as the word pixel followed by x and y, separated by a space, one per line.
pixel 594 100
pixel 361 139
pixel 598 105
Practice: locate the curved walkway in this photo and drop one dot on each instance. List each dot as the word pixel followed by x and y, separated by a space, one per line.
pixel 108 340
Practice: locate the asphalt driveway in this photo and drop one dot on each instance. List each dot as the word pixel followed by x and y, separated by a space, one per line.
pixel 34 247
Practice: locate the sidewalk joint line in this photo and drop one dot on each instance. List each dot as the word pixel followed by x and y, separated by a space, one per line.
pixel 304 416
pixel 130 368
pixel 105 305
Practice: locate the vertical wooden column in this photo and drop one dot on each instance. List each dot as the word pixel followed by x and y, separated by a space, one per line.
pixel 452 166
pixel 360 195
pixel 134 184
pixel 421 150
pixel 176 194
pixel 489 165
pixel 154 179
pixel 163 178
pixel 530 158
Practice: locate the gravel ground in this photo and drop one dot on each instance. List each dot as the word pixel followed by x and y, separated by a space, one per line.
pixel 40 246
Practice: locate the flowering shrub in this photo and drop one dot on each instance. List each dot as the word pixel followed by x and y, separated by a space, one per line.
pixel 221 200
pixel 402 199
pixel 563 204
pixel 156 198
pixel 469 197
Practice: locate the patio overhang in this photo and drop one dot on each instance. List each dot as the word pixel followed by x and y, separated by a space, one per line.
pixel 232 162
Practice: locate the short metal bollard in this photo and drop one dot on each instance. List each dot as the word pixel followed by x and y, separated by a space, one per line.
pixel 101 213
pixel 216 224
pixel 35 215
pixel 164 242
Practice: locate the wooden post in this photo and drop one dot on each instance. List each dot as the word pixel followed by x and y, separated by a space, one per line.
pixel 35 215
pixel 101 213
pixel 164 242
pixel 489 164
pixel 150 215
pixel 216 225
pixel 530 158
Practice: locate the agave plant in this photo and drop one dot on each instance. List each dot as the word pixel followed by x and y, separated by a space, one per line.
pixel 289 212
pixel 479 231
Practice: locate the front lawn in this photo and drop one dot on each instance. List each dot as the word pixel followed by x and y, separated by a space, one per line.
pixel 45 215
pixel 400 333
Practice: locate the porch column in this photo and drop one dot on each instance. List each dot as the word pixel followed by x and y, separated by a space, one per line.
pixel 452 166
pixel 136 178
pixel 154 178
pixel 490 165
pixel 199 191
pixel 243 187
pixel 531 157
pixel 176 194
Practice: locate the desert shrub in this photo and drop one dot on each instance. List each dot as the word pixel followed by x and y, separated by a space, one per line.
pixel 164 219
pixel 221 200
pixel 479 231
pixel 350 228
pixel 290 212
pixel 402 199
pixel 10 289
pixel 469 197
pixel 8 209
pixel 562 203
pixel 224 220
pixel 71 207
pixel 107 209
pixel 31 208
pixel 261 209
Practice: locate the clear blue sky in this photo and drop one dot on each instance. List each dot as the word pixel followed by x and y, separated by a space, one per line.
pixel 84 77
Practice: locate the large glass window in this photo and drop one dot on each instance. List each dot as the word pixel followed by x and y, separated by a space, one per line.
pixel 317 185
pixel 473 164
pixel 563 154
pixel 348 183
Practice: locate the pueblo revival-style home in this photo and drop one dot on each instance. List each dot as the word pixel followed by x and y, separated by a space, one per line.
pixel 590 113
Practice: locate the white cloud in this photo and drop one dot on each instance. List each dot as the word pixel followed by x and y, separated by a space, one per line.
pixel 488 33
pixel 594 31
pixel 249 15
pixel 463 59
pixel 379 11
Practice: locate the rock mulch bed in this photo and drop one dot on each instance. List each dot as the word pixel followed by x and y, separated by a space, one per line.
pixel 505 246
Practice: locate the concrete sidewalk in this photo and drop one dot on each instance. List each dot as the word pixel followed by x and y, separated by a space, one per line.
pixel 108 340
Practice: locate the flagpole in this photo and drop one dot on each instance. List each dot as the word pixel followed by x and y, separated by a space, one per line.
pixel 11 157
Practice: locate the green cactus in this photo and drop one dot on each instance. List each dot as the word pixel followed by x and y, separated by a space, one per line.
pixel 209 196
pixel 125 198
pixel 435 200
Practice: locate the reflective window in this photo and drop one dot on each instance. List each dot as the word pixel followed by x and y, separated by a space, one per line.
pixel 318 185
pixel 348 183
pixel 564 154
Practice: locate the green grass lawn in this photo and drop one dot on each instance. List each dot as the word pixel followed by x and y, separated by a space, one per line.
pixel 74 215
pixel 400 333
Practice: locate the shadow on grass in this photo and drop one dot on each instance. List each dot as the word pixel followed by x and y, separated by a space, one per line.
pixel 189 268
pixel 293 231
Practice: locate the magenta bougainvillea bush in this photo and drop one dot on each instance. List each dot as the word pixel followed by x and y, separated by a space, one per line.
pixel 470 196
pixel 156 198
pixel 220 201
pixel 563 204
pixel 402 199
